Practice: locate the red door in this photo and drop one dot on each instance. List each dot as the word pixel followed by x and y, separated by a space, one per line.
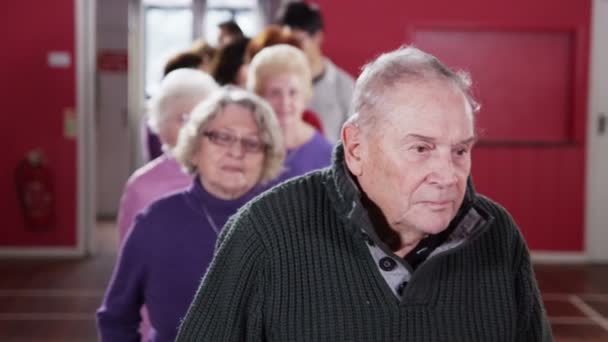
pixel 38 92
pixel 530 157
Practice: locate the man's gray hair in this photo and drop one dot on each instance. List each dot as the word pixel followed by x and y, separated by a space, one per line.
pixel 179 85
pixel 406 64
pixel 202 115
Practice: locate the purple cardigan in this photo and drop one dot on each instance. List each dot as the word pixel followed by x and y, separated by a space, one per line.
pixel 162 263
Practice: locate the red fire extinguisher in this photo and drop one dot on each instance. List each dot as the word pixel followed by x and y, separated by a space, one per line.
pixel 35 192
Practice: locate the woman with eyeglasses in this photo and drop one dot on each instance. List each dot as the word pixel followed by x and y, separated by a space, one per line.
pixel 232 145
pixel 281 75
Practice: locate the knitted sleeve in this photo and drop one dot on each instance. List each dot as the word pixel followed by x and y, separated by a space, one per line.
pixel 533 324
pixel 118 318
pixel 228 304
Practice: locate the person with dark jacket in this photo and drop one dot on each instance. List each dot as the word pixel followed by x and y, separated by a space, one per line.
pixel 391 243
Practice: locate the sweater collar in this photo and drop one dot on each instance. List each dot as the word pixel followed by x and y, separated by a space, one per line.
pixel 217 206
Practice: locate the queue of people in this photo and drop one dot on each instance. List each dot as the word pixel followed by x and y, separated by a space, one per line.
pixel 289 203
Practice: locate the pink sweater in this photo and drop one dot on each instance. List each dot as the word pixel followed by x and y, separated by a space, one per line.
pixel 159 177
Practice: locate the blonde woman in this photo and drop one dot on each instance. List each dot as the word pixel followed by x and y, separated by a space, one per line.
pixel 281 75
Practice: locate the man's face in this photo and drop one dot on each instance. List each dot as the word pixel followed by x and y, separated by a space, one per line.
pixel 415 161
pixel 310 44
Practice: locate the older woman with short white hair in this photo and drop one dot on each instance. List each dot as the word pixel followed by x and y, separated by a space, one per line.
pixel 231 144
pixel 179 92
pixel 281 75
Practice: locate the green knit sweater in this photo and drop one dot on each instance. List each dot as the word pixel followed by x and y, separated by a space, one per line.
pixel 292 266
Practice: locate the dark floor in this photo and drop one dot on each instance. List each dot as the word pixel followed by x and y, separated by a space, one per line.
pixel 54 301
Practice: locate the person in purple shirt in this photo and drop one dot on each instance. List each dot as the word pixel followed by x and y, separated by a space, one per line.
pixel 232 144
pixel 179 92
pixel 281 75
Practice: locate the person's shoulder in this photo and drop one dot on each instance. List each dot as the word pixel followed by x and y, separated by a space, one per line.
pixel 277 213
pixel 500 219
pixel 289 196
pixel 162 219
pixel 141 176
pixel 503 230
pixel 341 75
pixel 320 142
pixel 169 201
pixel 492 207
pixel 156 178
pixel 316 146
pixel 167 208
pixel 315 153
pixel 314 179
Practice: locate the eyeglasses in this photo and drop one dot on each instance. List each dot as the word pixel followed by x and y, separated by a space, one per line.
pixel 249 145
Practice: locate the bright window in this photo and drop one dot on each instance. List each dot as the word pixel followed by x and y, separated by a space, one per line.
pixel 168 30
pixel 244 12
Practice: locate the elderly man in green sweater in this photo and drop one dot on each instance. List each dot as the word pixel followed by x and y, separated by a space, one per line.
pixel 391 243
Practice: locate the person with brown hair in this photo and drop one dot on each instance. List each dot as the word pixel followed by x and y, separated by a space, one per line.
pixel 186 59
pixel 206 51
pixel 270 35
pixel 227 65
pixel 229 32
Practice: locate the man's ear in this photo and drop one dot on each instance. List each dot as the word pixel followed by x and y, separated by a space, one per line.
pixel 351 141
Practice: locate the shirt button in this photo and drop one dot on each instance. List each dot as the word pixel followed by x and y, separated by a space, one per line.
pixel 387 264
pixel 401 288
pixel 368 239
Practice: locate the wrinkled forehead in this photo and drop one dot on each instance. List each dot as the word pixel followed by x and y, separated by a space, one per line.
pixel 435 109
pixel 405 98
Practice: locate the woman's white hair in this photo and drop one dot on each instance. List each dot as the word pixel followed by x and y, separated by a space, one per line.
pixel 265 118
pixel 179 85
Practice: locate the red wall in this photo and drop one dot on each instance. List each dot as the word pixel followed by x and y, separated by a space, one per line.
pixel 357 31
pixel 34 97
pixel 532 160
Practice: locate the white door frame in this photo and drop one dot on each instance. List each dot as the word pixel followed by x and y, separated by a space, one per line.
pixel 596 206
pixel 136 104
pixel 85 107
